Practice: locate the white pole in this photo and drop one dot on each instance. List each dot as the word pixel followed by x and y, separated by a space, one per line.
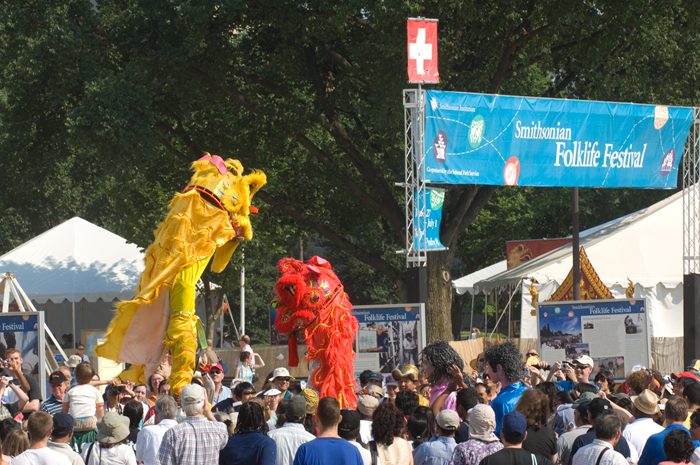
pixel 73 314
pixel 242 291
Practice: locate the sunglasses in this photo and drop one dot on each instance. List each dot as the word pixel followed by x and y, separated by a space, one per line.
pixel 580 367
pixel 284 379
pixel 215 372
pixel 532 355
pixel 248 393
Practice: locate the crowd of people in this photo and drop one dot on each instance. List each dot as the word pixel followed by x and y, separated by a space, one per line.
pixel 512 409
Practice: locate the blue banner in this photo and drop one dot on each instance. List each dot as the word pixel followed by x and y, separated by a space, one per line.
pixel 433 213
pixel 501 140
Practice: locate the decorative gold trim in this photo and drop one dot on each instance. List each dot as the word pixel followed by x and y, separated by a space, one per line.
pixel 594 291
pixel 629 293
pixel 534 293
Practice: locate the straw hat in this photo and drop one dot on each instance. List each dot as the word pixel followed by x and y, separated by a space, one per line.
pixel 312 398
pixel 73 361
pixel 646 402
pixel 112 428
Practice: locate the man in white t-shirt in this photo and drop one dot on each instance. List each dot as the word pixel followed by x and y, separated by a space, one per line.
pixel 39 426
pixel 644 408
pixel 349 429
pixel 150 437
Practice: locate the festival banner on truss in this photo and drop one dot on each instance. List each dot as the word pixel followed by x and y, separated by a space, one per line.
pixel 502 140
pixel 433 216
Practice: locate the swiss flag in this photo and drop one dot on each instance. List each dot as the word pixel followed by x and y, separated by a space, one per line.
pixel 422 51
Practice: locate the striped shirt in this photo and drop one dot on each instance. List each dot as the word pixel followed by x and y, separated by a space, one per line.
pixel 194 441
pixel 51 406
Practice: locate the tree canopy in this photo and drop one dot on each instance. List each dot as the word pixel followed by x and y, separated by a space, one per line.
pixel 104 104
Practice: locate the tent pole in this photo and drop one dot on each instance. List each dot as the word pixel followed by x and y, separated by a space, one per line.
pixel 509 308
pixel 575 243
pixel 498 320
pixel 73 318
pixel 486 314
pixel 471 319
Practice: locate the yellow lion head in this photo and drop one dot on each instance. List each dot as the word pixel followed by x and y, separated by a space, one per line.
pixel 223 181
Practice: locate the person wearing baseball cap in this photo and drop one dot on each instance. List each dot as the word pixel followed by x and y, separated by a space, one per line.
pixel 290 436
pixel 513 433
pixel 366 405
pixel 577 371
pixel 349 429
pixel 645 410
pixel 439 450
pixel 58 385
pixel 61 435
pixel 596 409
pixel 566 440
pixel 184 443
pixel 608 431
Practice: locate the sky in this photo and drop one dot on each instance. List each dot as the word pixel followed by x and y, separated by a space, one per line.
pixel 565 324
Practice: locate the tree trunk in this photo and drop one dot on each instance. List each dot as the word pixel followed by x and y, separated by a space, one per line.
pixel 439 307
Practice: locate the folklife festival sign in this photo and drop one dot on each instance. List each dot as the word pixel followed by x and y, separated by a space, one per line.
pixel 433 215
pixel 502 140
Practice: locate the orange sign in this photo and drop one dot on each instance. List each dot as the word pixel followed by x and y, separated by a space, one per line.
pixel 518 252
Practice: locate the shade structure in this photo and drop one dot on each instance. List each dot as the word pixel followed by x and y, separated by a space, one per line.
pixel 76 260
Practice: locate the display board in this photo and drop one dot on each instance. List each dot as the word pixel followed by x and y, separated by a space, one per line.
pixel 526 141
pixel 24 331
pixel 389 336
pixel 614 333
pixel 435 199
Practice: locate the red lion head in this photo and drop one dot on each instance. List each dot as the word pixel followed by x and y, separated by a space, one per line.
pixel 302 291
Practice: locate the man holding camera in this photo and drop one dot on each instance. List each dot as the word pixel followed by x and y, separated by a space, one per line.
pixel 13 370
pixel 576 371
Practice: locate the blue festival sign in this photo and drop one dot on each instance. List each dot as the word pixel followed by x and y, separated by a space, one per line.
pixel 502 140
pixel 433 216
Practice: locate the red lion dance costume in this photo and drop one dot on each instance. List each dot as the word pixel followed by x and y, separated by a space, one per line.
pixel 311 299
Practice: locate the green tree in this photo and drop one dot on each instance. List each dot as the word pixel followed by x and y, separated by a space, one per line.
pixel 107 102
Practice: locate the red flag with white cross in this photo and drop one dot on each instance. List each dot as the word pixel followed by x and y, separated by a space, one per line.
pixel 422 51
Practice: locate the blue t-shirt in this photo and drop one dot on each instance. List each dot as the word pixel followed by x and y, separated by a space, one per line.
pixel 324 451
pixel 505 402
pixel 249 447
pixel 653 453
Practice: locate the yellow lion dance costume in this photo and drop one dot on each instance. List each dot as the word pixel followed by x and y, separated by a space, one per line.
pixel 207 219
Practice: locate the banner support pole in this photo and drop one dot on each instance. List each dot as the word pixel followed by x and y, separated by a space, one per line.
pixel 575 243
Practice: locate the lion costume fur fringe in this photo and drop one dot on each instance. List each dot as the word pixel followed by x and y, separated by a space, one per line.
pixel 208 219
pixel 311 299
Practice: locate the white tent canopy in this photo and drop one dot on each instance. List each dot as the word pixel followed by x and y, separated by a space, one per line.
pixel 76 260
pixel 465 284
pixel 645 246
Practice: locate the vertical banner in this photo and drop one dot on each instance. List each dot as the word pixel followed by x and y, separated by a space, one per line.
pixel 434 199
pixel 422 51
pixel 24 331
pixel 614 333
pixel 389 336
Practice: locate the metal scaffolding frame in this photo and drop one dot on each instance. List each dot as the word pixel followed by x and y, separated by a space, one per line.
pixel 414 182
pixel 691 199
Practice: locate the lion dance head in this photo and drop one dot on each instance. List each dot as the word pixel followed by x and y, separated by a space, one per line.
pixel 311 300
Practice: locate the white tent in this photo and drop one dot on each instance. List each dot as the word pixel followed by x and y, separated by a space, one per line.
pixel 76 260
pixel 645 246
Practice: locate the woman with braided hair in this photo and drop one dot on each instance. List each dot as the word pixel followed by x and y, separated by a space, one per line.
pixel 250 443
pixel 440 364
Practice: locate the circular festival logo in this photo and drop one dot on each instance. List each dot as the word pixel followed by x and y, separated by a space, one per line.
pixel 660 116
pixel 512 171
pixel 476 131
pixel 667 162
pixel 440 147
pixel 571 314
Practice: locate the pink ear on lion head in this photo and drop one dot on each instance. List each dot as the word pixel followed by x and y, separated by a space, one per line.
pixel 318 261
